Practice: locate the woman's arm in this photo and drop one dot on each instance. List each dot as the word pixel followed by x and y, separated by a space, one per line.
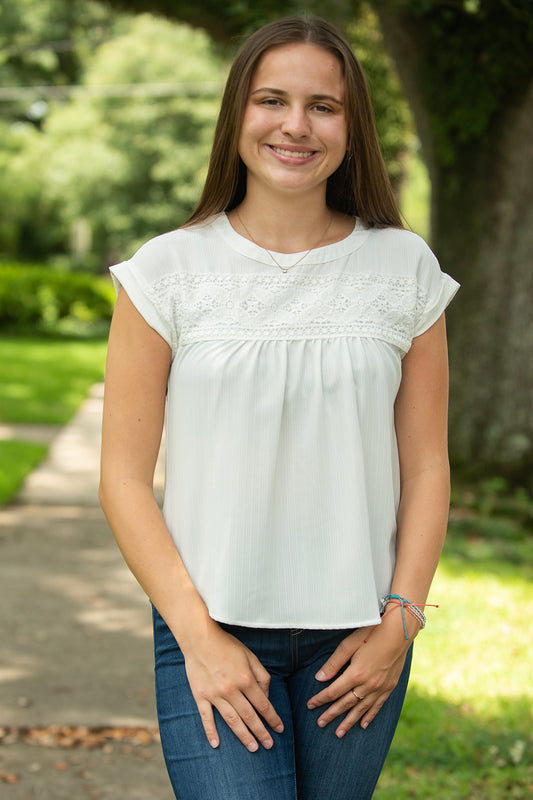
pixel 221 671
pixel 421 416
pixel 376 660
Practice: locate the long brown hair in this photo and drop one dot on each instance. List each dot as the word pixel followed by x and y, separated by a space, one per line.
pixel 359 187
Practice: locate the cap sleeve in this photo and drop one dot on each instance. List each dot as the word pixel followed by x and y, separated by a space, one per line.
pixel 139 276
pixel 436 289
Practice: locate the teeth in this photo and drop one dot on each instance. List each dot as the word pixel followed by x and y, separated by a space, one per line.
pixel 305 154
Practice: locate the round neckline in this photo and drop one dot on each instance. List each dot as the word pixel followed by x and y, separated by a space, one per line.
pixel 318 255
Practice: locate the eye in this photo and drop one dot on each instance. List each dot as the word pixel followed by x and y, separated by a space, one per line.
pixel 323 109
pixel 270 101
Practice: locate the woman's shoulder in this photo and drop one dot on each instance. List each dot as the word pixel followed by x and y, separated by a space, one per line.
pixel 178 239
pixel 175 251
pixel 401 237
pixel 401 250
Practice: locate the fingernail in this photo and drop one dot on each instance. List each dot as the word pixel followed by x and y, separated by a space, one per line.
pixel 253 747
pixel 364 725
pixel 279 729
pixel 321 722
pixel 340 734
pixel 213 743
pixel 311 705
pixel 320 675
pixel 267 743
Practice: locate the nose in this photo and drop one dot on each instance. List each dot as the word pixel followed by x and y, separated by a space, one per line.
pixel 295 122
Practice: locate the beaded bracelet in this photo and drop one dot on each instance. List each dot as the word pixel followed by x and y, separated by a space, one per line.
pixel 405 604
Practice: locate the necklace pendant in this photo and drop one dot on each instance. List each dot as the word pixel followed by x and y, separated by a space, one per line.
pixel 274 259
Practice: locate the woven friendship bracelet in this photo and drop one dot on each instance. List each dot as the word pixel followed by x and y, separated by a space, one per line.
pixel 412 608
pixel 401 602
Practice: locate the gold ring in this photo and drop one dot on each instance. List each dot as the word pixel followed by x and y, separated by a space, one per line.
pixel 356 695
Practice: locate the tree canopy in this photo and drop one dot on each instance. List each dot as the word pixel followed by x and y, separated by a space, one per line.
pixel 113 169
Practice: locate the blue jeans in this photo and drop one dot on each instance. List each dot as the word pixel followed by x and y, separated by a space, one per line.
pixel 306 762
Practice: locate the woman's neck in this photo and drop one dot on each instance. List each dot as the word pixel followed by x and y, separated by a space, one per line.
pixel 289 225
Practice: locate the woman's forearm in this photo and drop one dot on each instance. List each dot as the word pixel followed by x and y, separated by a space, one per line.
pixel 131 435
pixel 422 522
pixel 421 429
pixel 151 555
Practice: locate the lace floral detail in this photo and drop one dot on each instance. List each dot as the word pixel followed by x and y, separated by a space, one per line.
pixel 201 307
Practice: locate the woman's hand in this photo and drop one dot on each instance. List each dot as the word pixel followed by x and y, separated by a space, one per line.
pixel 373 670
pixel 226 675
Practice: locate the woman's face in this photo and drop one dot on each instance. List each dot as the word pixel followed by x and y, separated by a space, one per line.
pixel 293 134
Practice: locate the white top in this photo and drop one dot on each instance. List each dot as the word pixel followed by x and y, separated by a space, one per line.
pixel 282 477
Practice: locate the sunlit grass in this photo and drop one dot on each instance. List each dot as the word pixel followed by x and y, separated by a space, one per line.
pixel 17 459
pixel 466 729
pixel 45 380
pixel 479 655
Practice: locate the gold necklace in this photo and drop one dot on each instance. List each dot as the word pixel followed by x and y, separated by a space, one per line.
pixel 274 259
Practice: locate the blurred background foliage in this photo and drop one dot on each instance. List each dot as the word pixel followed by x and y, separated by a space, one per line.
pixel 85 179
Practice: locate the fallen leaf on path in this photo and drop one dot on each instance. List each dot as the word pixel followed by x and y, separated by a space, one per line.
pixel 74 736
pixel 8 777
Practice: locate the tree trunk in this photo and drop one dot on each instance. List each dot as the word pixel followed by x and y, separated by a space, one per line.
pixel 482 233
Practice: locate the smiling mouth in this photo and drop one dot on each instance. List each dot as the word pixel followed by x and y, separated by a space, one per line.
pixel 292 153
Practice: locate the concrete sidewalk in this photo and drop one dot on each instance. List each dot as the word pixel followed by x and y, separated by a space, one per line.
pixel 76 637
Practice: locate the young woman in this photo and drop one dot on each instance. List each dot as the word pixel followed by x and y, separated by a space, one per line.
pixel 295 333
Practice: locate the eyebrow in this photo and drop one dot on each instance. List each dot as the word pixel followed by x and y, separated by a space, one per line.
pixel 316 97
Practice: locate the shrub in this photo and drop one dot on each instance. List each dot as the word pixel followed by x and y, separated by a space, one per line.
pixel 42 299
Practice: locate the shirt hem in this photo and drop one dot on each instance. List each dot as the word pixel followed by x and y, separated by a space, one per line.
pixel 297 625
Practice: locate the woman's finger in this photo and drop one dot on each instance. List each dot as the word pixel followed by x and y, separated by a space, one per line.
pixel 341 655
pixel 208 721
pixel 357 713
pixel 263 707
pixel 346 703
pixel 364 710
pixel 337 689
pixel 243 709
pixel 234 721
pixel 374 710
pixel 261 674
pixel 243 720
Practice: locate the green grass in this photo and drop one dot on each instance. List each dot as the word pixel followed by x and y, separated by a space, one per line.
pixel 17 459
pixel 45 380
pixel 466 729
